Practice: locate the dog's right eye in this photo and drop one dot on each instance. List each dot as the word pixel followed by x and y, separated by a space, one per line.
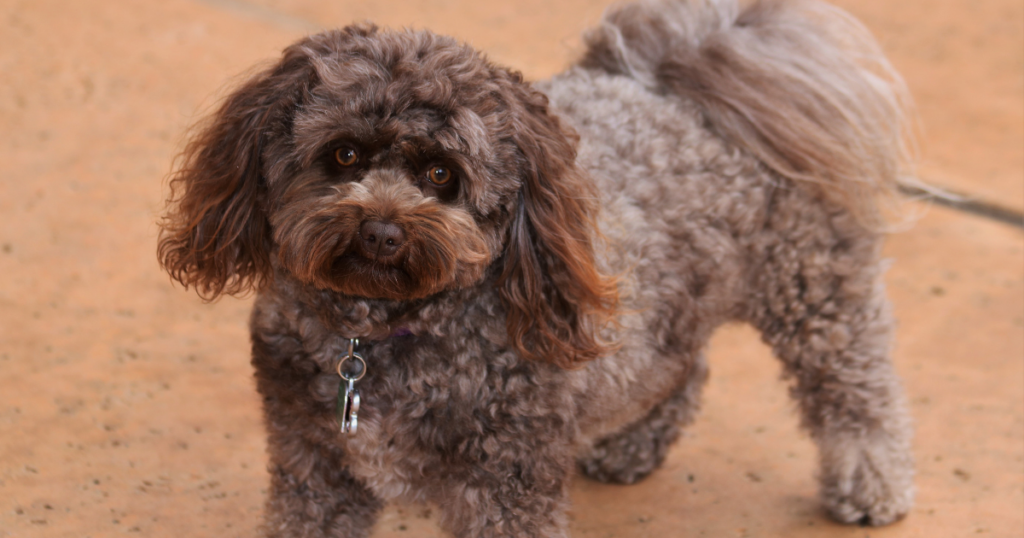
pixel 439 176
pixel 346 156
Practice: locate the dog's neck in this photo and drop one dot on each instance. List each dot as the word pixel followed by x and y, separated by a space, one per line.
pixel 370 319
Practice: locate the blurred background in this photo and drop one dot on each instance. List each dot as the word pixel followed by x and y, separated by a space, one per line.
pixel 127 405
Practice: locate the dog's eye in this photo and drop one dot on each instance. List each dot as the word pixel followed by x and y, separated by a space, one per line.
pixel 439 175
pixel 346 156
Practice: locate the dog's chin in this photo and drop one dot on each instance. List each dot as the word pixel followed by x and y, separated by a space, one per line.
pixel 352 274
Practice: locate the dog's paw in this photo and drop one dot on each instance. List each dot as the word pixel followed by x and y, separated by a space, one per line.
pixel 868 483
pixel 628 457
pixel 610 465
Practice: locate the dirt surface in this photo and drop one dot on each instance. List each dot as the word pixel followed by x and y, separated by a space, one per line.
pixel 127 405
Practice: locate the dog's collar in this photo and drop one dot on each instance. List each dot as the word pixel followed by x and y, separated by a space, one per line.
pixel 374 337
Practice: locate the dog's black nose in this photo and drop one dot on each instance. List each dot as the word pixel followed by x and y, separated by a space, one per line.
pixel 381 238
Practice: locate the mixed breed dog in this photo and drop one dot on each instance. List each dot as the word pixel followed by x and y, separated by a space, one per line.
pixel 468 285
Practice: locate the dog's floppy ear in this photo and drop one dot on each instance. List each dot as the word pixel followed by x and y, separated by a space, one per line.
pixel 215 234
pixel 557 299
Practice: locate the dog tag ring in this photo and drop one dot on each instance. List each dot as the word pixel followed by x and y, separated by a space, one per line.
pixel 351 368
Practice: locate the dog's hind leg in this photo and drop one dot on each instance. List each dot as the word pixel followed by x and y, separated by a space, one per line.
pixel 819 302
pixel 628 456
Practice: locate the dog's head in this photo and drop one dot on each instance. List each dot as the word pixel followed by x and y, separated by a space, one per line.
pixel 395 166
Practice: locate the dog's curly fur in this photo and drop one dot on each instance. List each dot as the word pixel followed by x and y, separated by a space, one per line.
pixel 533 270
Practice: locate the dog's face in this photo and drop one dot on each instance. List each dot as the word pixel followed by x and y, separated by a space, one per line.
pixel 400 170
pixel 394 166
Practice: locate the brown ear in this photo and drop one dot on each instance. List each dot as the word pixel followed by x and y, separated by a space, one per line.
pixel 557 299
pixel 215 235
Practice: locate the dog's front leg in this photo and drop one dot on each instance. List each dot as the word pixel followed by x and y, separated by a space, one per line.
pixel 312 494
pixel 335 506
pixel 526 499
pixel 512 483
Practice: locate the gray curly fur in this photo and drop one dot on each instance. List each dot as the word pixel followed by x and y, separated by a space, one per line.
pixel 737 157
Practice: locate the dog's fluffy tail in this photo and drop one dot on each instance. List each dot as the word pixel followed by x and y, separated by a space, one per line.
pixel 800 84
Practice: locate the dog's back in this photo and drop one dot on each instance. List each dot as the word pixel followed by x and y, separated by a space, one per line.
pixel 801 85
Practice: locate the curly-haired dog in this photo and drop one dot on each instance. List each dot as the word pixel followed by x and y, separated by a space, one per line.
pixel 532 271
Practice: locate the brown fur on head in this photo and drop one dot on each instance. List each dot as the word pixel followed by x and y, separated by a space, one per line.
pixel 268 183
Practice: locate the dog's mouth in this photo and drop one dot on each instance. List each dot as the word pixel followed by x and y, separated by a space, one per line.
pixel 376 278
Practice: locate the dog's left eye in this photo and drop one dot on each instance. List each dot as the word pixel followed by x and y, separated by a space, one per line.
pixel 439 175
pixel 346 156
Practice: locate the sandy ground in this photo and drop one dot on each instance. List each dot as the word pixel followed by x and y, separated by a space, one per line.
pixel 127 405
